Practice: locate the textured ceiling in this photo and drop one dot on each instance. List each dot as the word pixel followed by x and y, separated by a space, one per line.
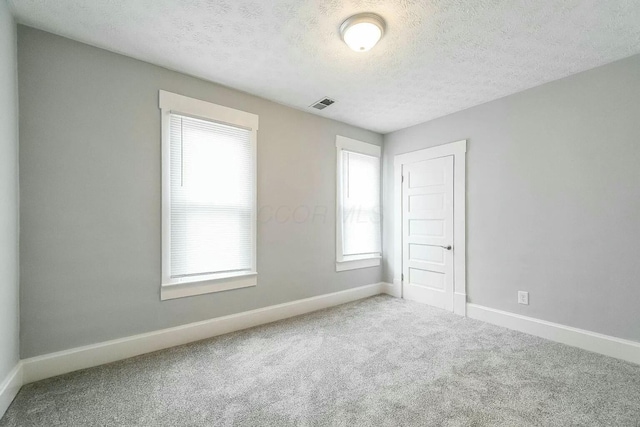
pixel 438 56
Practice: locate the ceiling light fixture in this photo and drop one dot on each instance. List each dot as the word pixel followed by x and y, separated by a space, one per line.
pixel 361 32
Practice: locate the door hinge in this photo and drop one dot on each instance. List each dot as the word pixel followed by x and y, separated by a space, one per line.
pixel 402 277
pixel 402 180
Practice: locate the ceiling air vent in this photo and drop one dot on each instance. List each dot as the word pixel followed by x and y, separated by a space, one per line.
pixel 322 104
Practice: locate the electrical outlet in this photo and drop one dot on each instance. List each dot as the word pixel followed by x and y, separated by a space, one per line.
pixel 523 297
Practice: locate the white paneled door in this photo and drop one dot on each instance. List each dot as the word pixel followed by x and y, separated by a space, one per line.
pixel 427 228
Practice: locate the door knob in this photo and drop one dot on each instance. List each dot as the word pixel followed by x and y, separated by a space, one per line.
pixel 447 247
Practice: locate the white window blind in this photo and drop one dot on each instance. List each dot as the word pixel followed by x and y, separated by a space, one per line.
pixel 360 204
pixel 212 197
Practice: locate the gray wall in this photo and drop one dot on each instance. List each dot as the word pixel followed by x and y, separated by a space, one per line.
pixel 90 191
pixel 9 294
pixel 553 198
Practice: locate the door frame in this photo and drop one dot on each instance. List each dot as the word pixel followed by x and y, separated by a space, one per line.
pixel 458 150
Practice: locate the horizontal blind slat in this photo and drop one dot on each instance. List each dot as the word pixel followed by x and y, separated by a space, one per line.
pixel 361 204
pixel 212 197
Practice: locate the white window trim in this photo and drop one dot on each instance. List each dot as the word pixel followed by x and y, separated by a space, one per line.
pixel 172 288
pixel 360 261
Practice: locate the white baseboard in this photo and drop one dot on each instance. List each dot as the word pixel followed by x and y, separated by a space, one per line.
pixel 587 340
pixel 62 362
pixel 394 289
pixel 50 365
pixel 10 387
pixel 460 303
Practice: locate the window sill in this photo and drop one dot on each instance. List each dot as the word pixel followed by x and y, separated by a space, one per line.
pixel 358 263
pixel 206 284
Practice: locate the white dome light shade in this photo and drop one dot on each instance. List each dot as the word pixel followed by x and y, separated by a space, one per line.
pixel 362 37
pixel 361 32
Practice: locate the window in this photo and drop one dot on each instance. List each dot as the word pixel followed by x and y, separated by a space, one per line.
pixel 358 235
pixel 208 197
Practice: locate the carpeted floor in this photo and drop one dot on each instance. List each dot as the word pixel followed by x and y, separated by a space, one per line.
pixel 376 362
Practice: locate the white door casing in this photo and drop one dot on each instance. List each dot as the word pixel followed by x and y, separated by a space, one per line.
pixel 457 152
pixel 427 232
